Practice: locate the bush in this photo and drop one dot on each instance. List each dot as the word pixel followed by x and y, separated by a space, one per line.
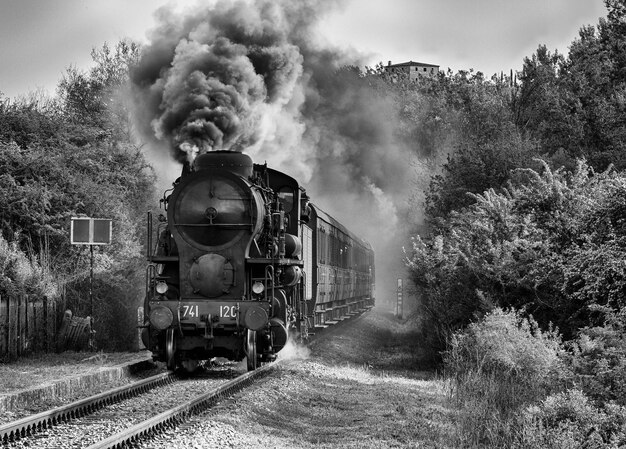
pixel 497 367
pixel 21 274
pixel 506 344
pixel 570 420
pixel 553 242
pixel 513 384
pixel 598 359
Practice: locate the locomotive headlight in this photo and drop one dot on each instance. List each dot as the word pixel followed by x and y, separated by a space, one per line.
pixel 257 288
pixel 161 317
pixel 161 287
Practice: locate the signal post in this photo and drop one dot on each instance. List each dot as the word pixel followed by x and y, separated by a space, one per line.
pixel 92 232
pixel 400 296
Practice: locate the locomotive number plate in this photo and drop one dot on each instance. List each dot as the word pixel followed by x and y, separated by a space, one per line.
pixel 190 311
pixel 228 311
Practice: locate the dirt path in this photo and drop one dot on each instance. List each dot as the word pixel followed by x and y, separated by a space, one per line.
pixel 359 387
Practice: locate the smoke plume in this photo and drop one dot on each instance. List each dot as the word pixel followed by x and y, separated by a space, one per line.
pixel 255 76
pixel 221 77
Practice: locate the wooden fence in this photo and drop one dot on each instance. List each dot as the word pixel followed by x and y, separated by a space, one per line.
pixel 26 325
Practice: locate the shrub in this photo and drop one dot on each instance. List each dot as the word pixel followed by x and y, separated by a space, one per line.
pixel 553 242
pixel 570 420
pixel 22 274
pixel 598 359
pixel 507 344
pixel 497 367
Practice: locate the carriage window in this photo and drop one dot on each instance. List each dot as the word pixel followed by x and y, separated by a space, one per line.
pixel 285 196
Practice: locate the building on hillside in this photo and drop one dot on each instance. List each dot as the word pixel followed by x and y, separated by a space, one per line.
pixel 410 70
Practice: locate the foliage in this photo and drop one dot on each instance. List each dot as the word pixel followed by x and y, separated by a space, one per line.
pixel 507 345
pixel 467 120
pixel 509 231
pixel 43 187
pixel 31 119
pixel 525 247
pixel 25 274
pixel 569 419
pixel 514 385
pixel 576 104
pixel 472 169
pixel 552 244
pixel 498 366
pixel 598 359
pixel 559 107
pixel 96 98
pixel 79 158
pixel 547 110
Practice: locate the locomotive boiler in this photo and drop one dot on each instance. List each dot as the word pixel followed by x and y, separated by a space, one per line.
pixel 242 262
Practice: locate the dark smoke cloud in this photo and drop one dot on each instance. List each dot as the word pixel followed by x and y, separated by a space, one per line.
pixel 254 76
pixel 209 79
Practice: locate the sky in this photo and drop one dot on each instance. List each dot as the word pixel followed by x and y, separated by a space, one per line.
pixel 39 39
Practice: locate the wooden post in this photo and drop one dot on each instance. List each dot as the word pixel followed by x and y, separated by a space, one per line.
pixel 19 326
pixel 4 327
pixel 46 337
pixel 8 327
pixel 26 332
pixel 9 346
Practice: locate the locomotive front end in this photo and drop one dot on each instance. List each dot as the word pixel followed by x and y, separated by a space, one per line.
pixel 200 300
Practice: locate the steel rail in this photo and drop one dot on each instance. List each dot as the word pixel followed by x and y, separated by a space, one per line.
pixel 180 413
pixel 32 424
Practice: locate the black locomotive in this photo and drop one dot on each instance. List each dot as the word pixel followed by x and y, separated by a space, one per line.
pixel 243 262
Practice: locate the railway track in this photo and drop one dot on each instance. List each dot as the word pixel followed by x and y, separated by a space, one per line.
pixel 44 420
pixel 178 414
pixel 125 415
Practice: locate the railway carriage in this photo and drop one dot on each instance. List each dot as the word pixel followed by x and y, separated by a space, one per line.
pixel 342 271
pixel 243 262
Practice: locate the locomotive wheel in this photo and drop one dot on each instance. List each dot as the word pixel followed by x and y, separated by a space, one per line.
pixel 170 349
pixel 251 355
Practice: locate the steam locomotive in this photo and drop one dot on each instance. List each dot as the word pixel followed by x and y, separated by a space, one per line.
pixel 243 262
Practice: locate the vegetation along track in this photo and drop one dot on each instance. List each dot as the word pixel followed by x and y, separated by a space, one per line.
pixel 125 415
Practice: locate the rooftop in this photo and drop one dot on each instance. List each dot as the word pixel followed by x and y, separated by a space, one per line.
pixel 411 64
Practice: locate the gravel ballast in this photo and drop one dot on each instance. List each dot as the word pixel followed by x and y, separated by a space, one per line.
pixel 37 383
pixel 358 386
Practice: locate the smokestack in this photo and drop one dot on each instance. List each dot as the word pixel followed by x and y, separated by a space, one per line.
pixel 388 63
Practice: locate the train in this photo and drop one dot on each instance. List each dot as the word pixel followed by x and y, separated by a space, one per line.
pixel 242 261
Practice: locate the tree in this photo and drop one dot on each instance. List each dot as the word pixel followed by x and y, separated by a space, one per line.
pixel 576 106
pixel 466 121
pixel 547 110
pixel 552 243
pixel 97 97
pixel 30 119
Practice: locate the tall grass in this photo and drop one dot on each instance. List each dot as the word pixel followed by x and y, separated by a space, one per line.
pixel 25 274
pixel 514 386
pixel 497 368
